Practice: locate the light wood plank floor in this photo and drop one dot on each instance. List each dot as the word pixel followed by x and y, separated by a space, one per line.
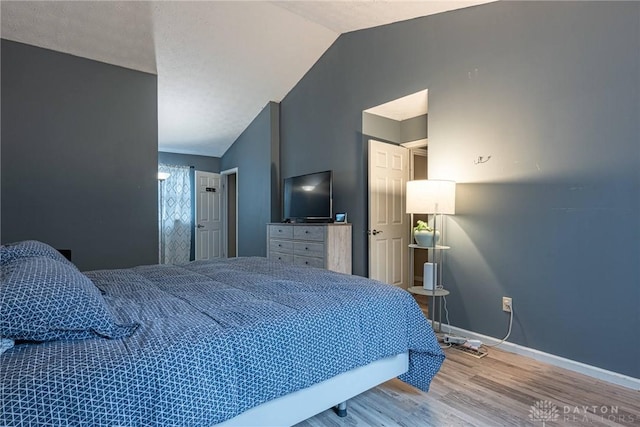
pixel 498 390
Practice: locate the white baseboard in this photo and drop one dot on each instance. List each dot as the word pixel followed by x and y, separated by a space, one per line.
pixel 552 359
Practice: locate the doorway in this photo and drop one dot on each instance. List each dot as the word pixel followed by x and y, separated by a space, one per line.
pixel 230 213
pixel 400 123
pixel 418 170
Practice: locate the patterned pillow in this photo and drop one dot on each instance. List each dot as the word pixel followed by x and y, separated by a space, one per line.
pixel 29 248
pixel 43 299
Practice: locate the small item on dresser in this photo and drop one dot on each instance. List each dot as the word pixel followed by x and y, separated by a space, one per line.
pixel 341 218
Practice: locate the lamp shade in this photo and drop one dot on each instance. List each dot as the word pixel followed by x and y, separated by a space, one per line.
pixel 429 196
pixel 163 175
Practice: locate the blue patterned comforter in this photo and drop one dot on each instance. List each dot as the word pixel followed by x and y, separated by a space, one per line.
pixel 215 339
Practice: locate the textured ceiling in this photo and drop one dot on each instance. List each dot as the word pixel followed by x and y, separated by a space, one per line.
pixel 218 62
pixel 404 108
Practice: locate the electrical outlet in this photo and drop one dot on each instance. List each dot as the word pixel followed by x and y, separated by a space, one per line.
pixel 506 304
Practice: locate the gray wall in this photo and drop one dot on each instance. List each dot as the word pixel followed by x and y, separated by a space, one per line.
pixel 256 155
pixel 79 156
pixel 413 129
pixel 551 92
pixel 395 131
pixel 385 129
pixel 201 163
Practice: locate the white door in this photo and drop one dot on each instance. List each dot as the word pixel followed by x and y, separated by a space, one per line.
pixel 388 222
pixel 208 215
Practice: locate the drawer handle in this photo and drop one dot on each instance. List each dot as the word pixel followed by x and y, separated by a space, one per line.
pixel 279 245
pixel 306 262
pixel 279 258
pixel 306 248
pixel 306 232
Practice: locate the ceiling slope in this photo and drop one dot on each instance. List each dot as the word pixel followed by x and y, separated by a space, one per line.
pixel 218 62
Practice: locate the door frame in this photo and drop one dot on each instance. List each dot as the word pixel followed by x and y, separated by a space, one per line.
pixel 225 210
pixel 416 149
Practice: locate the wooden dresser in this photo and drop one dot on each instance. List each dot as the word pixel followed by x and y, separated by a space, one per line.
pixel 317 245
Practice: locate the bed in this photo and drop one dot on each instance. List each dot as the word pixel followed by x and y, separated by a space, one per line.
pixel 242 341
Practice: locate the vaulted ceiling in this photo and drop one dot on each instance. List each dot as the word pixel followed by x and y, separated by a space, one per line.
pixel 218 62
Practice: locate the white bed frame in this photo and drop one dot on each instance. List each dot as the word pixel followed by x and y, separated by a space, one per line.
pixel 302 404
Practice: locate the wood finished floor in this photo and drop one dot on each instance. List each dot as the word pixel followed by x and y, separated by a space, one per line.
pixel 498 390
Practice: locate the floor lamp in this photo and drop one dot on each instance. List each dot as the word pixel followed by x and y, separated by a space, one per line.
pixel 162 176
pixel 435 197
pixel 431 196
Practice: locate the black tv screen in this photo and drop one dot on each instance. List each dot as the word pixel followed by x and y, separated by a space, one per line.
pixel 308 197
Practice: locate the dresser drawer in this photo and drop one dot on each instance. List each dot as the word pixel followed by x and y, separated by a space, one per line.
pixel 279 256
pixel 308 249
pixel 277 245
pixel 310 261
pixel 282 231
pixel 309 232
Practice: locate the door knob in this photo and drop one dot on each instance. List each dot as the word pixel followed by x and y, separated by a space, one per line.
pixel 200 226
pixel 374 232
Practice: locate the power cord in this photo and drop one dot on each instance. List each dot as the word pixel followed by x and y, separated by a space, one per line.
pixel 446 313
pixel 508 332
pixel 446 316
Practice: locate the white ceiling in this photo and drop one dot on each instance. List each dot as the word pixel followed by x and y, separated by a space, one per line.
pixel 218 62
pixel 404 108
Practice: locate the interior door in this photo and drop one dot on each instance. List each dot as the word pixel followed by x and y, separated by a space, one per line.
pixel 388 223
pixel 208 215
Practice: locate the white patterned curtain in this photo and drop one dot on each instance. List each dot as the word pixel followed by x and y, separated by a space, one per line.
pixel 174 210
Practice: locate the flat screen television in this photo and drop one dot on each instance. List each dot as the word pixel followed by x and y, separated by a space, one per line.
pixel 308 198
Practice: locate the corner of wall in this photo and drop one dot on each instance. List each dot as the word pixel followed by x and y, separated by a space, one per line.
pixel 276 214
